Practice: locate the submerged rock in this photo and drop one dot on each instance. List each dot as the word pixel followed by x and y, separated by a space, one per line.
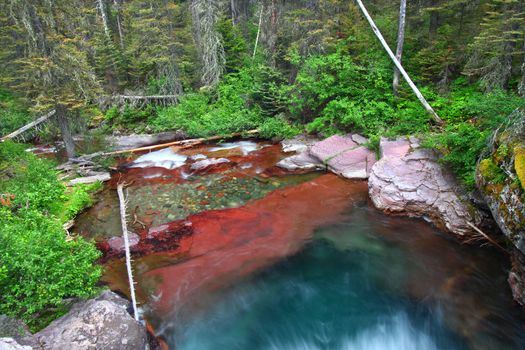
pixel 206 163
pixel 411 182
pixel 101 323
pixel 343 155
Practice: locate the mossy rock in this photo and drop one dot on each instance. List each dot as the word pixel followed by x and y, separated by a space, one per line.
pixel 519 163
pixel 490 171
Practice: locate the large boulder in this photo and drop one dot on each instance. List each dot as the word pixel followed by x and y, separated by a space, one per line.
pixel 408 180
pixel 101 323
pixel 11 344
pixel 11 327
pixel 346 156
pixel 500 177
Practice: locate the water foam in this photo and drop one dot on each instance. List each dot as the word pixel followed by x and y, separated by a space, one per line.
pixel 245 146
pixel 165 158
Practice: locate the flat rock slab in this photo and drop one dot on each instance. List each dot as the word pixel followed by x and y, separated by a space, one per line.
pixel 394 148
pixel 353 164
pixel 416 185
pixel 332 146
pixel 298 144
pixel 301 161
pixel 344 155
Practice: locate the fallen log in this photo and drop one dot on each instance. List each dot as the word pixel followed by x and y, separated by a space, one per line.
pixel 122 204
pixel 102 177
pixel 28 126
pixel 184 143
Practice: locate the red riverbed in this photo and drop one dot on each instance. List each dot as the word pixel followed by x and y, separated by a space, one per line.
pixel 228 244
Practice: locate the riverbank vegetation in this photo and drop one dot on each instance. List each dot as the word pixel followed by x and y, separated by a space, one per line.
pixel 40 264
pixel 216 67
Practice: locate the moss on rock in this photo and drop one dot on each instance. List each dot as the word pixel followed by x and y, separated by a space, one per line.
pixel 519 163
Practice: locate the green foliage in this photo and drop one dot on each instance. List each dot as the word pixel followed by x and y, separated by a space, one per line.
pixel 461 145
pixel 130 118
pixel 79 197
pixel 234 45
pixel 13 115
pixel 333 94
pixel 39 267
pixel 278 127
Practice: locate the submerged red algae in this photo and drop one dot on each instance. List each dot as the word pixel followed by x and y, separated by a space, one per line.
pixel 231 243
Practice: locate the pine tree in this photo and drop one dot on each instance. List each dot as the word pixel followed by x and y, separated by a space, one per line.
pixel 53 67
pixel 494 49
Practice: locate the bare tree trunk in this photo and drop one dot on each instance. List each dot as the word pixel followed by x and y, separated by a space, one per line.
pixel 258 31
pixel 413 86
pixel 521 86
pixel 122 204
pixel 400 43
pixel 63 123
pixel 119 23
pixel 102 8
pixel 233 10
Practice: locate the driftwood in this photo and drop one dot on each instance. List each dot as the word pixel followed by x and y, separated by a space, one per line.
pixel 483 235
pixel 138 100
pixel 413 86
pixel 102 177
pixel 28 126
pixel 122 203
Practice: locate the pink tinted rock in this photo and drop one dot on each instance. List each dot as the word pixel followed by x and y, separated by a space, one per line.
pixel 394 148
pixel 117 243
pixel 361 140
pixel 332 146
pixel 416 185
pixel 301 161
pixel 353 164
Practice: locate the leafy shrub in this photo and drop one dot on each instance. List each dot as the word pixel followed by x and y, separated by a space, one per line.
pixel 38 266
pixel 12 114
pixel 461 145
pixel 278 127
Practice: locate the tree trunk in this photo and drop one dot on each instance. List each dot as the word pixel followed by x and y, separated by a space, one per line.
pixel 258 31
pixel 233 10
pixel 521 85
pixel 414 88
pixel 400 43
pixel 119 23
pixel 102 8
pixel 67 137
pixel 434 21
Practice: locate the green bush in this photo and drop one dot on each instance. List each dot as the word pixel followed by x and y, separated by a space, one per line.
pixel 461 144
pixel 12 114
pixel 38 266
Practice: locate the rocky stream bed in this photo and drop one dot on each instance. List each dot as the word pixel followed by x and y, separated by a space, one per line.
pixel 254 245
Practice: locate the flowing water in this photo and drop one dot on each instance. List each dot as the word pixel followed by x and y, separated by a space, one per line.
pixel 278 261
